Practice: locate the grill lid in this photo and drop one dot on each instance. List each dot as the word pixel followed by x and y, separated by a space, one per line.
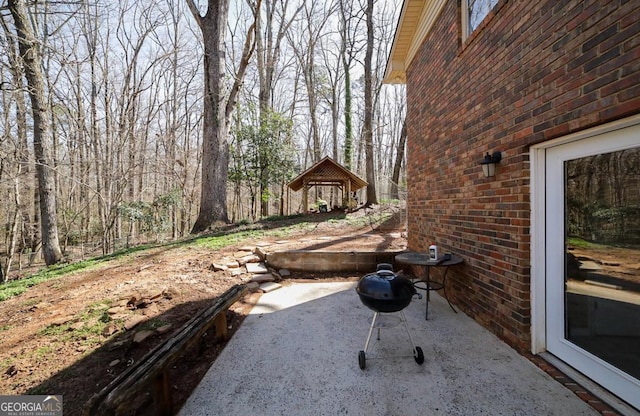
pixel 385 291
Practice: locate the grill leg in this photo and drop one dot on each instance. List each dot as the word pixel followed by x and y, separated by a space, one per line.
pixel 406 326
pixel 373 323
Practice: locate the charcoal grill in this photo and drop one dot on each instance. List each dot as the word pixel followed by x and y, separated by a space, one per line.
pixel 386 292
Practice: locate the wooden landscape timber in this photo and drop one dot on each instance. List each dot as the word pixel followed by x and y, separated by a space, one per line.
pixel 152 370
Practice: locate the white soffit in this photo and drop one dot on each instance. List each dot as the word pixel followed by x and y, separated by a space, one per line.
pixel 416 20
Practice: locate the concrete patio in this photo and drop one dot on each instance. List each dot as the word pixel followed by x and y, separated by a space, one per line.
pixel 297 354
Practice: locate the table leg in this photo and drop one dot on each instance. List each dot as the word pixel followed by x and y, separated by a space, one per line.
pixel 428 286
pixel 444 289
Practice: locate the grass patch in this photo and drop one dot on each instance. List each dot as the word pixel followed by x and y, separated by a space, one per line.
pixel 17 287
pixel 153 324
pixel 42 352
pixel 222 240
pixel 369 220
pixel 581 243
pixel 282 217
pixel 93 318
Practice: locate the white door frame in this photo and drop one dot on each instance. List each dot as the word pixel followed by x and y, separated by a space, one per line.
pixel 541 304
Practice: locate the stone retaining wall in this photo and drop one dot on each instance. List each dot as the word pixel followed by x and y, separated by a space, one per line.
pixel 328 261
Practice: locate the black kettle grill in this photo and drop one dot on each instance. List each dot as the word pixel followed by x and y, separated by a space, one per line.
pixel 386 292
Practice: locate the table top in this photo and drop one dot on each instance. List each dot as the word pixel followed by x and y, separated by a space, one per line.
pixel 422 259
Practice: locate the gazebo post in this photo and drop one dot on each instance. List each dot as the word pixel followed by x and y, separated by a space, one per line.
pixel 348 196
pixel 305 195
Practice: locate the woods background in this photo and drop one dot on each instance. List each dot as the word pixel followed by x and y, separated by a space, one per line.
pixel 122 102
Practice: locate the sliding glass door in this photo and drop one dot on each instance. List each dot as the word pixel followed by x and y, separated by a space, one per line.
pixel 592 258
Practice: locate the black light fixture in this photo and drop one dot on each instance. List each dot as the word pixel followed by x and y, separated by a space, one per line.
pixel 489 163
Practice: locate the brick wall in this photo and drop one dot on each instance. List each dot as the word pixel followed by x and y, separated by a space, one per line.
pixel 533 71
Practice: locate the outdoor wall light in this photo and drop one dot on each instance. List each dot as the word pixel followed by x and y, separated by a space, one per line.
pixel 489 163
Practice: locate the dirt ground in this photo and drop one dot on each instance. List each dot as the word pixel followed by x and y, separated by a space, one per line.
pixel 67 336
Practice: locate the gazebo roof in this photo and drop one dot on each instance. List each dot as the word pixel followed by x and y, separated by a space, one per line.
pixel 327 172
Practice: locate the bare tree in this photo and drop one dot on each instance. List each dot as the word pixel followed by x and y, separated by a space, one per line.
pixel 21 226
pixel 349 26
pixel 310 31
pixel 219 101
pixel 368 109
pixel 32 61
pixel 268 48
pixel 397 165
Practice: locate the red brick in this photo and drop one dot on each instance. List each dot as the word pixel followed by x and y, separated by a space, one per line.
pixel 533 71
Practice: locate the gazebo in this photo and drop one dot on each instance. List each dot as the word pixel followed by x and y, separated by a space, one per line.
pixel 327 172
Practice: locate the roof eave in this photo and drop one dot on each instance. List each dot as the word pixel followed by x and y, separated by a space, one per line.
pixel 414 24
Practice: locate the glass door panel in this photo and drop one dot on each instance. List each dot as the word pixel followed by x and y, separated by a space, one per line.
pixel 602 257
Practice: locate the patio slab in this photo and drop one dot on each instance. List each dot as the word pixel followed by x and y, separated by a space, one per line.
pixel 297 353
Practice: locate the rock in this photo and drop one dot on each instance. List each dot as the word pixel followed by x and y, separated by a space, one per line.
pixel 110 329
pixel 246 248
pixel 233 264
pixel 269 287
pixel 284 272
pixel 63 320
pixel 154 296
pixel 142 335
pixel 163 329
pixel 263 244
pixel 41 305
pixel 117 344
pixel 260 252
pixel 589 265
pixel 252 258
pixel 77 326
pixel 151 310
pixel 133 321
pixel 170 293
pixel 11 371
pixel 236 272
pixel 256 268
pixel 144 303
pixel 219 267
pixel 131 303
pixel 116 310
pixel 263 278
pixel 253 286
pixel 276 276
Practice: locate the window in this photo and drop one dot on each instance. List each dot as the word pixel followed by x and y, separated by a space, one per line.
pixel 473 13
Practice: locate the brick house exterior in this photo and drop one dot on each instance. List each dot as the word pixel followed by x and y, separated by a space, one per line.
pixel 533 71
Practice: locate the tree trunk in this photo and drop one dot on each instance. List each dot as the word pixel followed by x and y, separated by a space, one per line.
pixel 29 228
pixel 397 165
pixel 218 104
pixel 13 234
pixel 215 148
pixel 368 110
pixel 28 46
pixel 345 57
